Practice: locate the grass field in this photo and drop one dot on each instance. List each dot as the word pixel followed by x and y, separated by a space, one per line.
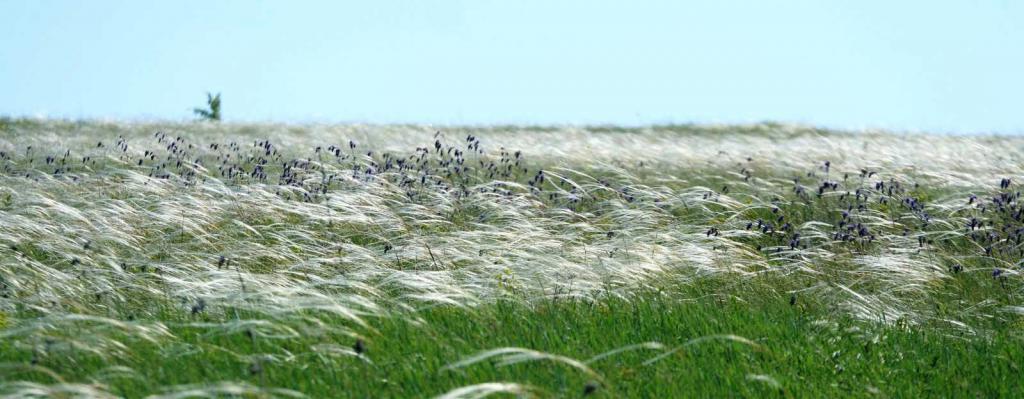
pixel 174 260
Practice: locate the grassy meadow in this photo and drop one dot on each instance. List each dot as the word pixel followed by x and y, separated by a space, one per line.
pixel 181 260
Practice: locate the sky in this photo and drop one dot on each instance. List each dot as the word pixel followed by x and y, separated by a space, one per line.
pixel 942 66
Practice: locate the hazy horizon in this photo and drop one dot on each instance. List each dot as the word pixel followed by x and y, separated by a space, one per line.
pixel 909 67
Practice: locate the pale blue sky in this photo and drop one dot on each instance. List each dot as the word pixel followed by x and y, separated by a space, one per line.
pixel 947 66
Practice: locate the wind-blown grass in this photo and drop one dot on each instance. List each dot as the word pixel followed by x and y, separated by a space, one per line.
pixel 257 256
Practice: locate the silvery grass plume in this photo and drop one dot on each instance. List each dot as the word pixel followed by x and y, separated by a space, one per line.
pixel 112 231
pixel 484 390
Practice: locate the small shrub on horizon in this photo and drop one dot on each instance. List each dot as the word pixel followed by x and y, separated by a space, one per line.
pixel 213 113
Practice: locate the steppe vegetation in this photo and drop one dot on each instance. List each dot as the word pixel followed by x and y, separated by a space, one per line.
pixel 175 260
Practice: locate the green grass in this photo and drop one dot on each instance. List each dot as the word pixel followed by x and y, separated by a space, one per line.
pixel 797 350
pixel 149 259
